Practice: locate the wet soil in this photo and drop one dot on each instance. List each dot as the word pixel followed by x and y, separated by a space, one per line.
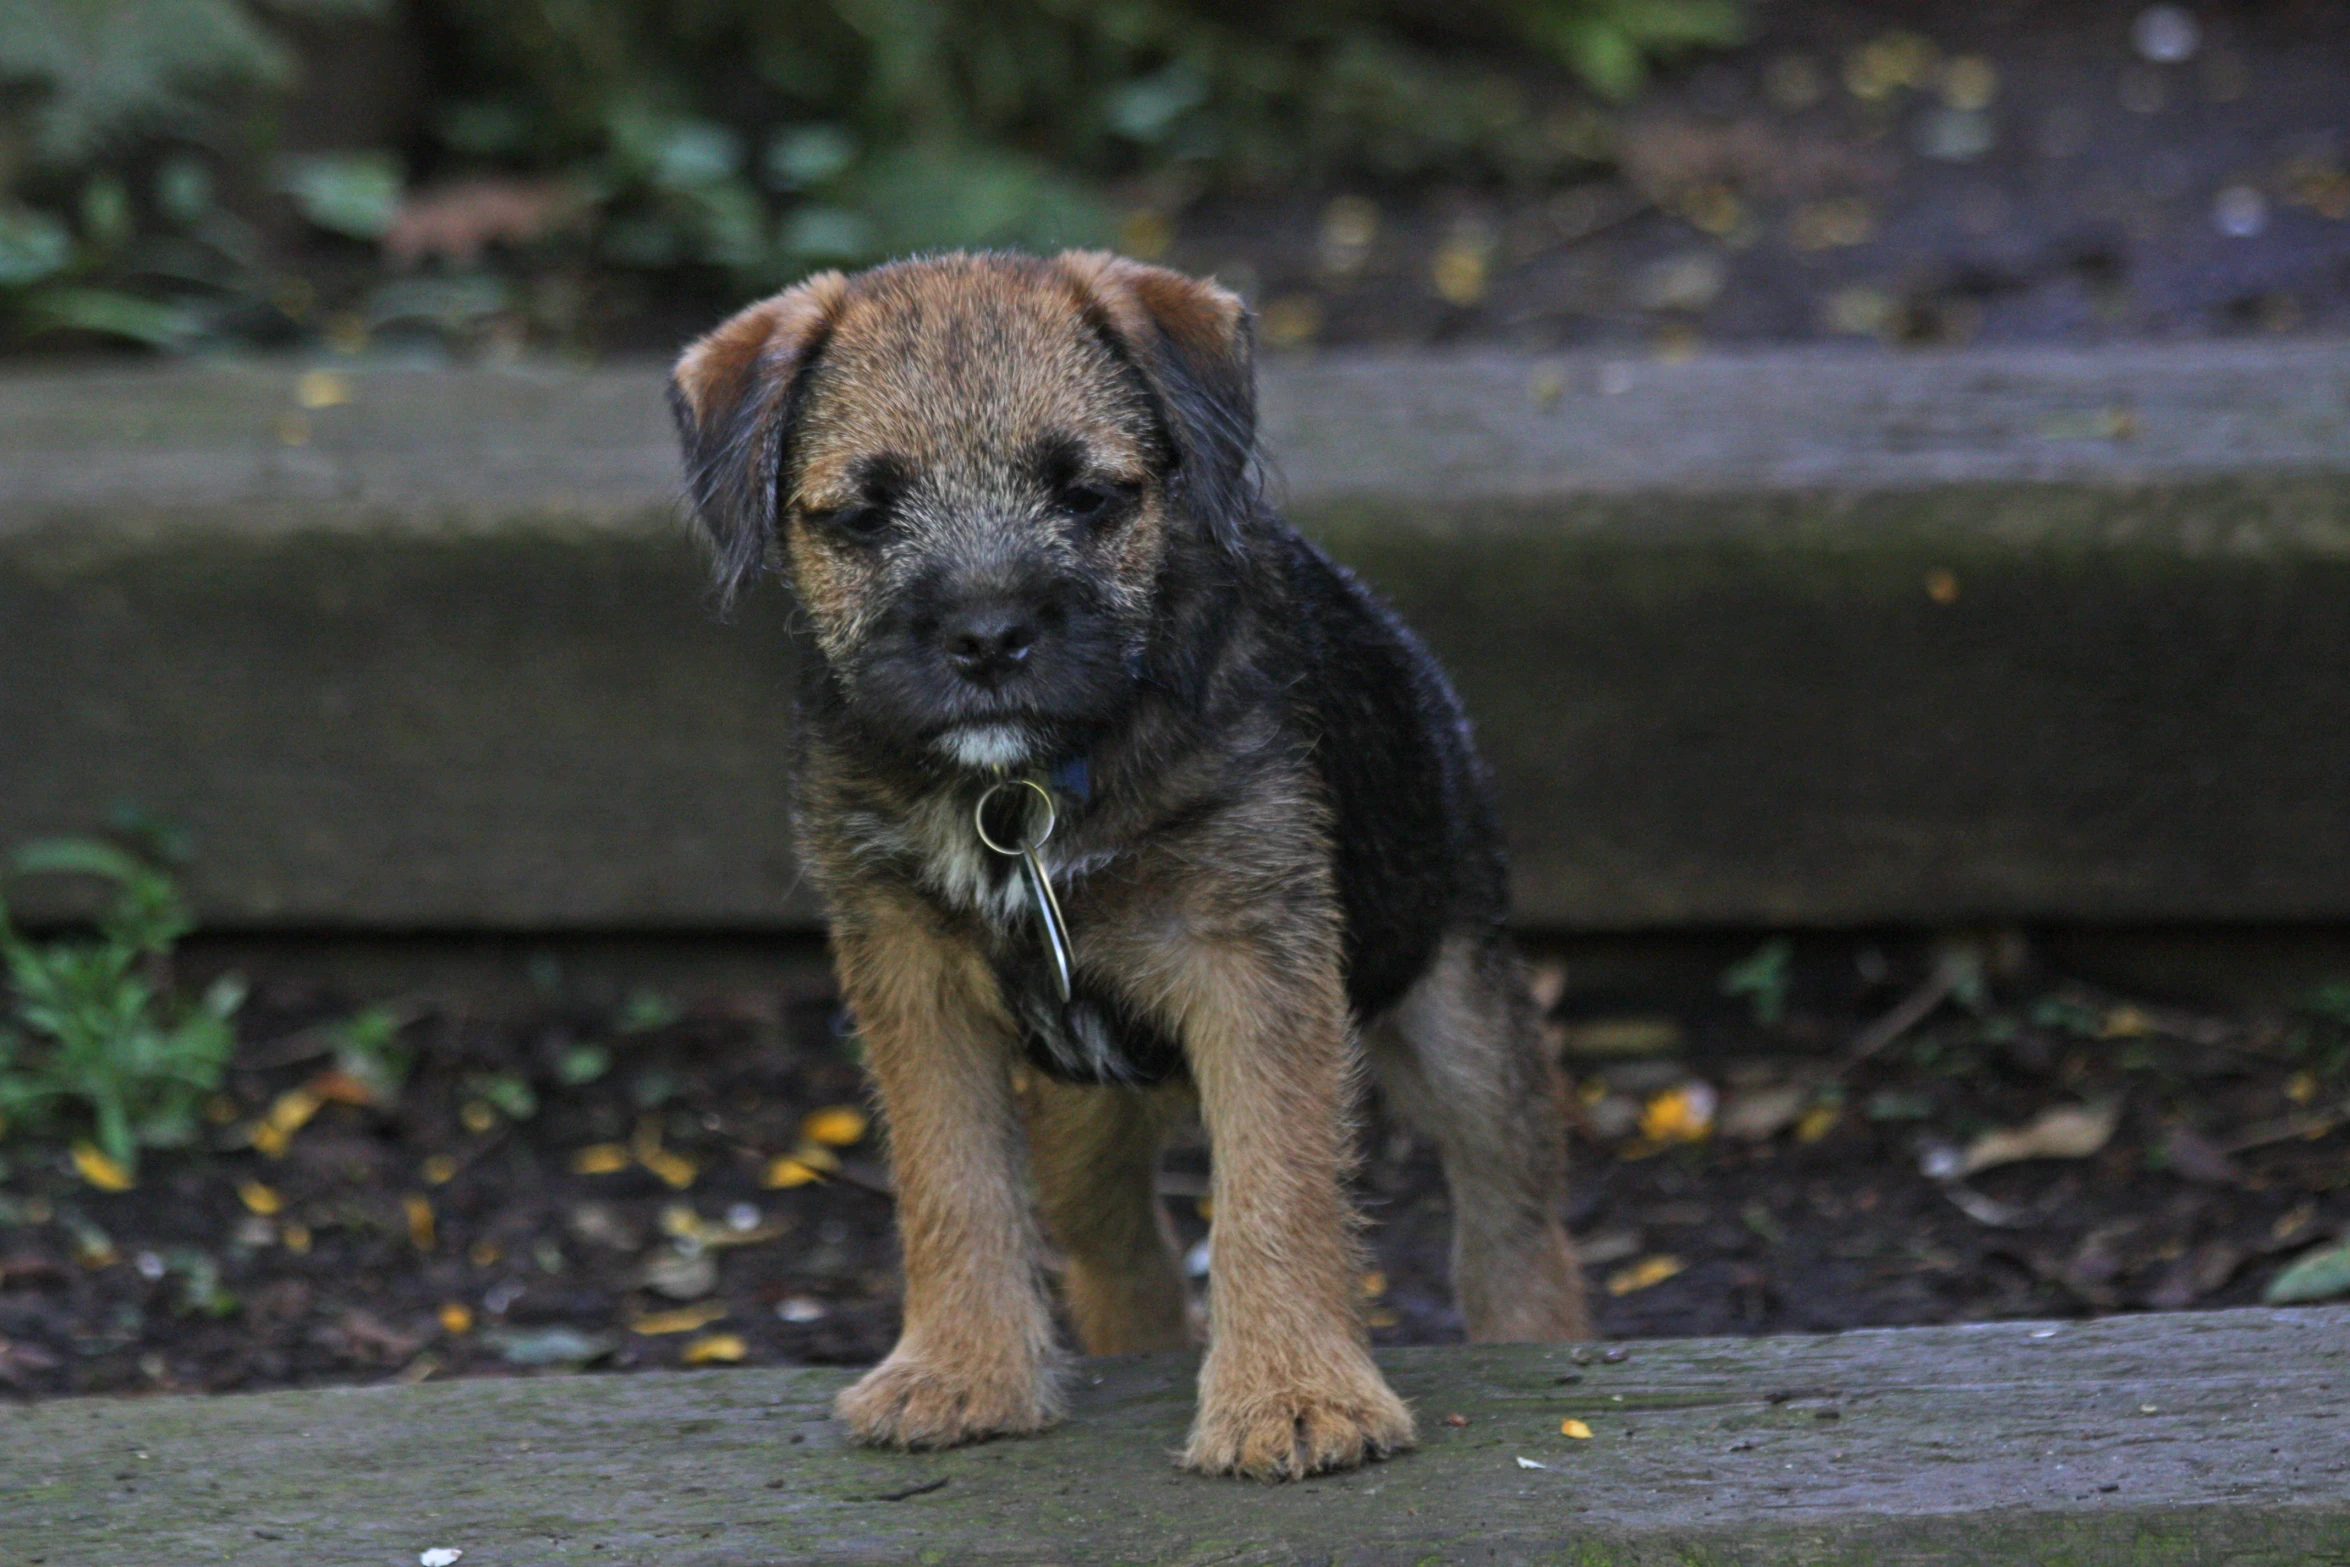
pixel 1906 172
pixel 1736 1170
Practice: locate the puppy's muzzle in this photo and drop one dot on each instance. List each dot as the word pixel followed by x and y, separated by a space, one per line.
pixel 992 641
pixel 989 642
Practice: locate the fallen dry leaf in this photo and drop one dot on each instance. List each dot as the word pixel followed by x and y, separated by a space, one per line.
pixel 1644 1274
pixel 259 1198
pixel 1679 1115
pixel 716 1349
pixel 101 1170
pixel 1761 1113
pixel 675 1170
pixel 1576 1429
pixel 784 1171
pixel 455 1317
pixel 600 1159
pixel 836 1127
pixel 2066 1132
pixel 1612 1038
pixel 459 220
pixel 1817 1123
pixel 337 1087
pixel 685 1319
pixel 418 1211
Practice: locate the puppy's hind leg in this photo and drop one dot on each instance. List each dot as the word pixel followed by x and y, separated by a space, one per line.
pixel 1462 1058
pixel 1096 1156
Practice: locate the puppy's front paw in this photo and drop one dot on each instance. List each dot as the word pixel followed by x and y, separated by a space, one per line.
pixel 1271 1431
pixel 912 1401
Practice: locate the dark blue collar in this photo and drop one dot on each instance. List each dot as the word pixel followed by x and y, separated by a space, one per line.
pixel 1072 776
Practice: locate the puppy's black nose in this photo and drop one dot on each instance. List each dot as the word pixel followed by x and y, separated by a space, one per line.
pixel 988 642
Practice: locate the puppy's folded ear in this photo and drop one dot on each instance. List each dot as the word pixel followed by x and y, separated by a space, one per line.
pixel 1194 344
pixel 734 394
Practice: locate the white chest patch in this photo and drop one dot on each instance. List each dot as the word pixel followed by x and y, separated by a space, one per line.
pixel 942 841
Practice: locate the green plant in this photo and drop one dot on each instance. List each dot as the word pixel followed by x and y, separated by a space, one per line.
pixel 120 123
pixel 737 143
pixel 95 1043
pixel 368 1049
pixel 1763 978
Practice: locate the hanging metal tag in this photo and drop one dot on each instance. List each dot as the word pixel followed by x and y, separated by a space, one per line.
pixel 1040 886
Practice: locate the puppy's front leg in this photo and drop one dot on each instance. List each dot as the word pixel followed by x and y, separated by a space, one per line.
pixel 1288 1387
pixel 976 1356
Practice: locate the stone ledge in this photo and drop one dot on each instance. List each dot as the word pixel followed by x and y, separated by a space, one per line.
pixel 2190 1440
pixel 1799 637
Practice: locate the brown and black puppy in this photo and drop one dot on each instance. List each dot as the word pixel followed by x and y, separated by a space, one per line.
pixel 1017 502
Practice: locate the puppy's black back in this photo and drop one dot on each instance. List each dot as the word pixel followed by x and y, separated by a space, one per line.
pixel 1418 846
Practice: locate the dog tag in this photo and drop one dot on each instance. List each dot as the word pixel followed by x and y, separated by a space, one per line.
pixel 1040 886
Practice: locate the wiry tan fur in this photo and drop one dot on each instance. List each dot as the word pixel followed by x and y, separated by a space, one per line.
pixel 1199 892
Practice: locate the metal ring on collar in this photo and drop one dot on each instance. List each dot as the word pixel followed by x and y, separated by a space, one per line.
pixel 1051 815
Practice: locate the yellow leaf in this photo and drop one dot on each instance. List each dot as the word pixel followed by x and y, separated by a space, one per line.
pixel 268 1141
pixel 259 1198
pixel 439 1170
pixel 295 1238
pixel 674 1169
pixel 817 1157
pixel 322 389
pixel 476 1117
pixel 1817 1123
pixel 1644 1274
pixel 600 1159
pixel 2301 1087
pixel 685 1319
pixel 101 1170
pixel 420 1221
pixel 836 1127
pixel 1576 1429
pixel 292 1110
pixel 784 1171
pixel 456 1317
pixel 718 1348
pixel 1679 1115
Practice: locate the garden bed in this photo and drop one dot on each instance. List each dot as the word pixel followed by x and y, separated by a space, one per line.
pixel 581 1173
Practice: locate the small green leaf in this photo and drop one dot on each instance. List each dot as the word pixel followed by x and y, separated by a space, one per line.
pixel 2314 1275
pixel 353 193
pixel 1764 978
pixel 582 1064
pixel 507 1093
pixel 33 245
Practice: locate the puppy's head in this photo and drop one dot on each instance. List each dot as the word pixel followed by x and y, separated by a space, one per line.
pixel 977 470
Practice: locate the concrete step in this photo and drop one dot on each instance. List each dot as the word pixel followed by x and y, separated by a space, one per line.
pixel 1793 637
pixel 2189 1439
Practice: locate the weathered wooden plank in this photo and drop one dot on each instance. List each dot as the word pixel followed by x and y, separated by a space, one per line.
pixel 2196 1439
pixel 1780 637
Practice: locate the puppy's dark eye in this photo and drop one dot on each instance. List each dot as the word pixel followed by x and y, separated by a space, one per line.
pixel 1096 505
pixel 862 522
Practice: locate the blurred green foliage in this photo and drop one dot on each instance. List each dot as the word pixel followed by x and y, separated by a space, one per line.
pixel 93 1043
pixel 748 139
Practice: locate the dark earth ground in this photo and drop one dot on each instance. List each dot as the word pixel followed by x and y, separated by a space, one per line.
pixel 452 1233
pixel 1911 171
